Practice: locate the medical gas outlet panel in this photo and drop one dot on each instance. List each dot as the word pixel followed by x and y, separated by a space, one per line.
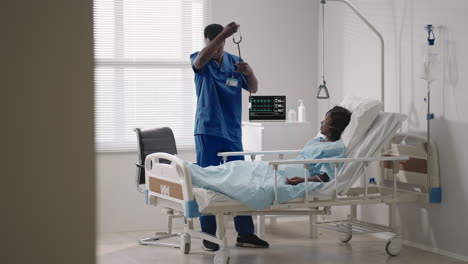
pixel 271 107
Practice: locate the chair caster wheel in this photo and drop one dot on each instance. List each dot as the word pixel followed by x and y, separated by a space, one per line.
pixel 393 246
pixel 185 243
pixel 345 237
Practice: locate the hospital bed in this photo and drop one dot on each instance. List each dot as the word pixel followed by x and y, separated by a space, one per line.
pixel 170 186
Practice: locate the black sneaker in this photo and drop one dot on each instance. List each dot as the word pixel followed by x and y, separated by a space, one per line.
pixel 251 241
pixel 210 246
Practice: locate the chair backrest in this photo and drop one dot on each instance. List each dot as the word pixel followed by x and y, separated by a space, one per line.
pixel 151 141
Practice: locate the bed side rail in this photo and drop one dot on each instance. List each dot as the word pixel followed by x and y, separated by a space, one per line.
pixel 339 160
pixel 395 160
pixel 421 171
pixel 253 154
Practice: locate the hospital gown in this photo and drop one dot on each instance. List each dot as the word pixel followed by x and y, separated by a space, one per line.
pixel 252 182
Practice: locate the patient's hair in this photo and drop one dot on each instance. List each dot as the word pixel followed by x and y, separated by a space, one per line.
pixel 211 31
pixel 340 117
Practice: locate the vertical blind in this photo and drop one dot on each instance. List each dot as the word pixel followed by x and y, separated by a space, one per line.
pixel 143 76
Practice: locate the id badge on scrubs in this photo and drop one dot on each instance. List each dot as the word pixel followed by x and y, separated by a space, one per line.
pixel 232 82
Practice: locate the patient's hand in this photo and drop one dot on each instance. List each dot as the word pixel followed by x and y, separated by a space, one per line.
pixel 294 180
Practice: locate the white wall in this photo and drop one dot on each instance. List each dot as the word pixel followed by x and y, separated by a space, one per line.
pixel 279 42
pixel 443 227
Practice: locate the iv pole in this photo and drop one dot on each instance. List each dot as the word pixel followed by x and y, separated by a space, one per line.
pixel 382 55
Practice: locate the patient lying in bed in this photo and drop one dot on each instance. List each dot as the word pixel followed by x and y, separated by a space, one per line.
pixel 252 183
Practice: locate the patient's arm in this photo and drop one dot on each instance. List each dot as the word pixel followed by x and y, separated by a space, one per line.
pixel 317 178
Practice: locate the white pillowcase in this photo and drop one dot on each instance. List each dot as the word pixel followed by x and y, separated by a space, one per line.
pixel 363 113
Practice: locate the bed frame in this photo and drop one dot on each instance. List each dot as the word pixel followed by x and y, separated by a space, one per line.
pixel 170 186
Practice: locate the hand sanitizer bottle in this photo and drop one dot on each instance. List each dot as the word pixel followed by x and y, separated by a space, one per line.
pixel 301 112
pixel 291 115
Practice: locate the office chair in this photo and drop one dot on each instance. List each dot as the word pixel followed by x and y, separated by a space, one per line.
pixel 151 141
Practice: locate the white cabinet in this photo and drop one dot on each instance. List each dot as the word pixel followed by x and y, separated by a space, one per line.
pixel 261 136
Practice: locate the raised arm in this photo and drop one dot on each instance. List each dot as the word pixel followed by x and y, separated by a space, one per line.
pixel 214 45
pixel 244 67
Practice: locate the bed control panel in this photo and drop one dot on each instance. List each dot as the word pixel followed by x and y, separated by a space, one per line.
pixel 267 107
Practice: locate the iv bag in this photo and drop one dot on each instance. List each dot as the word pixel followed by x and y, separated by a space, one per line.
pixel 430 68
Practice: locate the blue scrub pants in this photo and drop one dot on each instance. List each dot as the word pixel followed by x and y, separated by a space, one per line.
pixel 207 148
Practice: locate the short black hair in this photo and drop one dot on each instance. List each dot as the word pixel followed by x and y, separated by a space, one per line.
pixel 213 30
pixel 340 117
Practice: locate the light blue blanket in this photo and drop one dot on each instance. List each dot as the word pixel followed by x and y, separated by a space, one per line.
pixel 252 183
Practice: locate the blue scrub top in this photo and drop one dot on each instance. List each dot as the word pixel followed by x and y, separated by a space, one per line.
pixel 219 106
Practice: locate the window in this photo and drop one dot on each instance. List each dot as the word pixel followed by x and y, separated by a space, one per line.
pixel 143 76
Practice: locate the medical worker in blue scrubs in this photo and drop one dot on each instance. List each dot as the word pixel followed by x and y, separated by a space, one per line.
pixel 219 80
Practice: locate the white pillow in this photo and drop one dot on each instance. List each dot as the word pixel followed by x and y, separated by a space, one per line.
pixel 363 113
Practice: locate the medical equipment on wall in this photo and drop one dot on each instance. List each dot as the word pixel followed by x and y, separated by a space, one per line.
pixel 267 107
pixel 301 112
pixel 323 86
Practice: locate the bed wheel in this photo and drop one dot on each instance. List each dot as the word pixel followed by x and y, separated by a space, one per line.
pixel 222 257
pixel 393 246
pixel 185 243
pixel 345 237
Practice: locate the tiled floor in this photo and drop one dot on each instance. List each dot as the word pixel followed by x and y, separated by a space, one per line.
pixel 289 243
